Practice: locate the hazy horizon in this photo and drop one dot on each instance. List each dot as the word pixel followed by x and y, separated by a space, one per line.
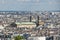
pixel 29 5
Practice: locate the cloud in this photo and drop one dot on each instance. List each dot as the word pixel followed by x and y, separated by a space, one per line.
pixel 2 1
pixel 36 1
pixel 23 0
pixel 54 2
pixel 50 3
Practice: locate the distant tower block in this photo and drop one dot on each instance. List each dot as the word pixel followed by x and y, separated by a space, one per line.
pixel 37 21
pixel 30 18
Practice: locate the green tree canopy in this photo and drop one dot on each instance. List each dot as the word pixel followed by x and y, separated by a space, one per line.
pixel 19 37
pixel 13 24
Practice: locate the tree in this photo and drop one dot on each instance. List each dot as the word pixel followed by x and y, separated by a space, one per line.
pixel 13 24
pixel 19 37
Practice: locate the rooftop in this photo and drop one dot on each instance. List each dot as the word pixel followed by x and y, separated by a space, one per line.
pixel 24 23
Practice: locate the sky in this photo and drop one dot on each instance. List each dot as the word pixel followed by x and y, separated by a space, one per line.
pixel 29 5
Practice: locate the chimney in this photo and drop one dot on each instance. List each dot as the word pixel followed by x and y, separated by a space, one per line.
pixel 37 22
pixel 38 18
pixel 30 18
